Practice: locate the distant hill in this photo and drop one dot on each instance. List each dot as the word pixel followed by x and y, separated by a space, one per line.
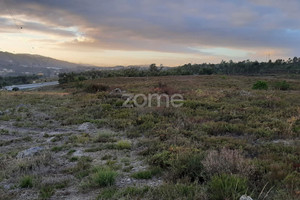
pixel 27 64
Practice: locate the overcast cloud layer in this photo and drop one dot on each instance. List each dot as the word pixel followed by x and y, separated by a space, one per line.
pixel 222 29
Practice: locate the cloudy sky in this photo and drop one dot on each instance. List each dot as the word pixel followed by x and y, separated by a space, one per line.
pixel 169 32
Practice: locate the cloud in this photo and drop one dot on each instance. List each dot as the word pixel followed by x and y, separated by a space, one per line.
pixel 178 26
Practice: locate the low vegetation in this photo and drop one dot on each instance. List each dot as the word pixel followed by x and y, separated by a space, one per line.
pixel 227 186
pixel 226 140
pixel 103 177
pixel 26 182
pixel 260 85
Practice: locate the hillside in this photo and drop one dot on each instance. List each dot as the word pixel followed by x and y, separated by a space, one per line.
pixel 27 64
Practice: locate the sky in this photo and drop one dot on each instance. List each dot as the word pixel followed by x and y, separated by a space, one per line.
pixel 141 32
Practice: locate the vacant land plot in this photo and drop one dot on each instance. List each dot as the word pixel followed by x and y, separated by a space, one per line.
pixel 232 136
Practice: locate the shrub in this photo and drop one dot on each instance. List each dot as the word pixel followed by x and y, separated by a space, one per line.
pixel 178 191
pixel 82 78
pixel 260 85
pixel 283 85
pixel 46 192
pixel 164 89
pixel 142 175
pixel 187 165
pixel 147 174
pixel 26 182
pixel 123 144
pixel 227 161
pixel 104 137
pixel 225 186
pixel 277 172
pixel 107 193
pixel 221 128
pixel 33 163
pixel 292 182
pixel 73 159
pixel 282 194
pixel 83 138
pixel 82 167
pixel 107 157
pixel 296 126
pixel 104 177
pixel 161 159
pixel 94 88
pixel 192 104
pixel 15 89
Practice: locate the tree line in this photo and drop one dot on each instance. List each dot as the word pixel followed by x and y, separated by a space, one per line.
pixel 17 80
pixel 247 67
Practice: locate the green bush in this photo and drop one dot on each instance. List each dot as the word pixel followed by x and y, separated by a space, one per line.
pixel 187 165
pixel 26 182
pixel 94 88
pixel 296 127
pixel 260 85
pixel 123 144
pixel 104 177
pixel 15 89
pixel 282 85
pixel 73 159
pixel 225 186
pixel 57 148
pixel 142 175
pixel 161 159
pixel 147 174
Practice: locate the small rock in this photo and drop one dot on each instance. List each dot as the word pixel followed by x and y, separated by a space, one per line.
pixel 8 186
pixel 29 152
pixel 50 139
pixel 21 106
pixel 284 142
pixel 244 197
pixel 86 126
pixel 78 153
pixel 245 93
pixel 125 181
pixel 53 133
pixel 117 92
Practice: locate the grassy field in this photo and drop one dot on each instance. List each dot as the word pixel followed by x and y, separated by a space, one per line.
pixel 225 141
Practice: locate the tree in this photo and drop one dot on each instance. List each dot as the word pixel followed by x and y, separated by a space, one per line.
pixel 154 70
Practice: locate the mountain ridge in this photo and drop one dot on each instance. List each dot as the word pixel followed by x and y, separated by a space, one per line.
pixel 28 64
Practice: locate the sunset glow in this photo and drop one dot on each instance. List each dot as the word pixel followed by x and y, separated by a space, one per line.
pixel 130 32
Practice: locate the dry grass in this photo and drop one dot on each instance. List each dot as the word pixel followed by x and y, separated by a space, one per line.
pixel 227 161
